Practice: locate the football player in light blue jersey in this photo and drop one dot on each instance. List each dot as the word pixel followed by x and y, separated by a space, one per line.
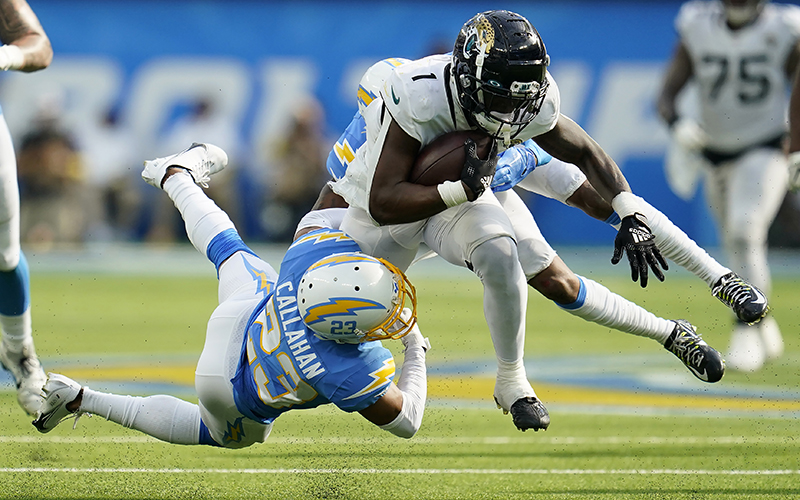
pixel 307 336
pixel 27 48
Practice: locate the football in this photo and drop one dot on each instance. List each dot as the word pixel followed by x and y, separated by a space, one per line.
pixel 443 159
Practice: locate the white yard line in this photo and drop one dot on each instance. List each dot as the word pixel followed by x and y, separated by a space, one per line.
pixel 734 472
pixel 686 440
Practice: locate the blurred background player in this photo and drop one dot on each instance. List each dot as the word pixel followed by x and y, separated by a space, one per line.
pixel 742 55
pixel 26 48
pixel 299 339
pixel 794 134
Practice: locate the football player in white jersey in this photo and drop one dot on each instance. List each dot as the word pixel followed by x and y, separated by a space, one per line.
pixel 742 55
pixel 528 166
pixel 307 336
pixel 496 81
pixel 28 49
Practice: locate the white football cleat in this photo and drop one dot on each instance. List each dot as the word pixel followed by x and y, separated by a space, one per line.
pixel 746 352
pixel 58 392
pixel 201 160
pixel 28 375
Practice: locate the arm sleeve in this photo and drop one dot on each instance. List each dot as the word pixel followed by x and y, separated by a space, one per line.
pixel 413 384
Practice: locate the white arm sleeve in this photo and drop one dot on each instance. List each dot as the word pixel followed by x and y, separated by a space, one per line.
pixel 327 217
pixel 413 384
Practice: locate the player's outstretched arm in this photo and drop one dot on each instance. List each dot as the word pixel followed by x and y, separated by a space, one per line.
pixel 26 46
pixel 570 143
pixel 401 408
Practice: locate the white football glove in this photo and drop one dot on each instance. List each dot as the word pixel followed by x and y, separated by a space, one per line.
pixel 689 135
pixel 414 337
pixel 794 171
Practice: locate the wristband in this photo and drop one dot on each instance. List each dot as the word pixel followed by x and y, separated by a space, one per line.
pixel 625 204
pixel 11 57
pixel 452 193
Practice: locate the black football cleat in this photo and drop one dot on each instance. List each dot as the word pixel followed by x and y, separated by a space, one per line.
pixel 748 302
pixel 700 358
pixel 530 413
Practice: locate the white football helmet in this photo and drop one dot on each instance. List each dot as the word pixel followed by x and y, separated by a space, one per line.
pixel 352 297
pixel 372 81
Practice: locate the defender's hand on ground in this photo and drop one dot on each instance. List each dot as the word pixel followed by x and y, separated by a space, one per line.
pixel 638 242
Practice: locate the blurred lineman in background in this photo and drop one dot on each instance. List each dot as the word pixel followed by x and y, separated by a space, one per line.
pixel 306 337
pixel 742 55
pixel 794 134
pixel 26 48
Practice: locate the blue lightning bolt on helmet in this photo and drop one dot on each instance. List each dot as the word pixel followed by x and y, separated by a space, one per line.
pixel 371 83
pixel 352 297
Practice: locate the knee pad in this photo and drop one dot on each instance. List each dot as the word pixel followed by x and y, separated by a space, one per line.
pixel 495 259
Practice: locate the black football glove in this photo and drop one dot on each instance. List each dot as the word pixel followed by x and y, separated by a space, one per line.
pixel 640 246
pixel 477 174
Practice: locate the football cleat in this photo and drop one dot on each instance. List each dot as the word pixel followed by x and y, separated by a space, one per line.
pixel 58 392
pixel 748 302
pixel 200 160
pixel 700 358
pixel 28 375
pixel 529 413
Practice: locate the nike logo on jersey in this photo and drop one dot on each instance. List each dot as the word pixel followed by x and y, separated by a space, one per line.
pixel 395 98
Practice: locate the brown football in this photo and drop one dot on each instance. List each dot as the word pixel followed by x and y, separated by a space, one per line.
pixel 443 159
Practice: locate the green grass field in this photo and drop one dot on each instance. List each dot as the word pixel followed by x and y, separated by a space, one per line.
pixel 613 441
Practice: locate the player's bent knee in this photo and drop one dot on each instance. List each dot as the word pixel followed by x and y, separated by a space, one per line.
pixel 557 283
pixel 495 257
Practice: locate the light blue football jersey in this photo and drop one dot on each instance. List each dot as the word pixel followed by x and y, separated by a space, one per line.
pixel 284 367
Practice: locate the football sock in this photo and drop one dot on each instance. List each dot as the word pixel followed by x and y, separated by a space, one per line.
pixel 504 295
pixel 749 259
pixel 15 311
pixel 598 304
pixel 15 287
pixel 203 218
pixel 676 245
pixel 163 417
pixel 504 301
pixel 16 330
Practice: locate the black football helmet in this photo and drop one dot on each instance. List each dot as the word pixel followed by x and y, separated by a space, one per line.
pixel 500 69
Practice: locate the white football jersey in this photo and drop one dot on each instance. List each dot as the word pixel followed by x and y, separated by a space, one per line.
pixel 421 98
pixel 741 76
